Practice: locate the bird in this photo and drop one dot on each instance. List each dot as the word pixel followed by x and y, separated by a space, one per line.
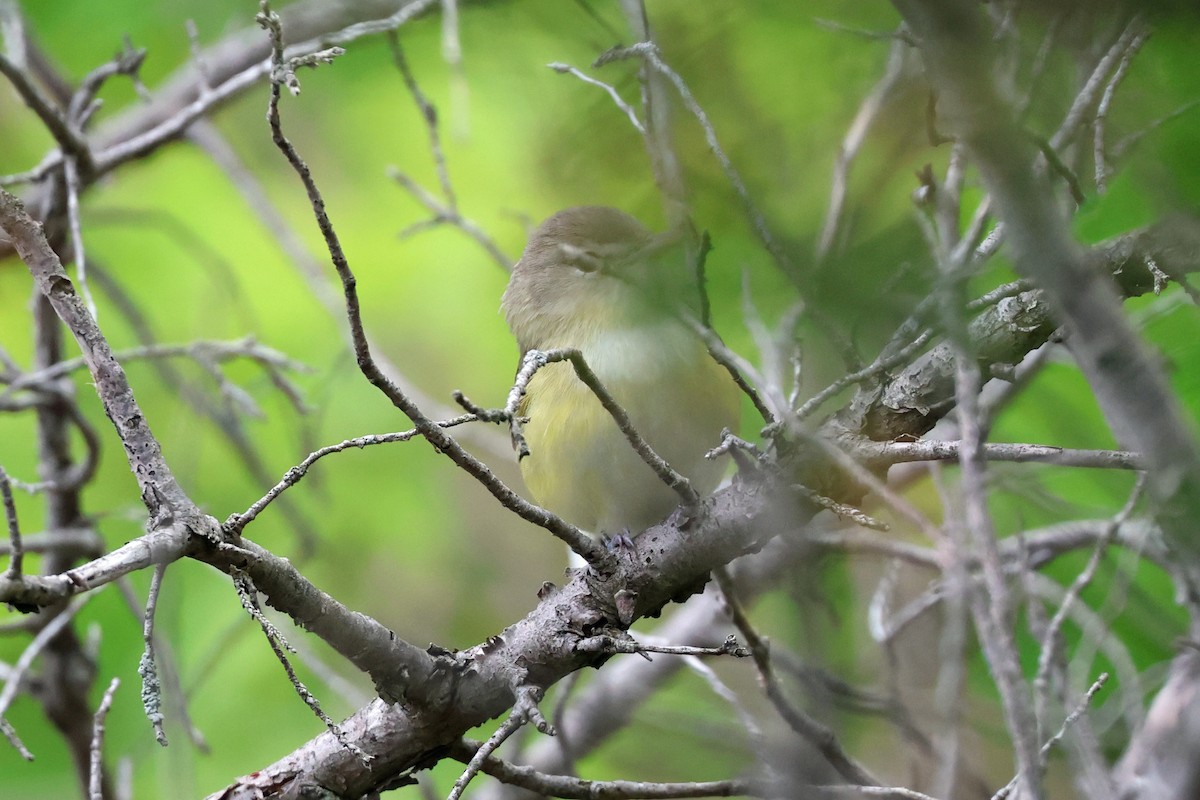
pixel 593 278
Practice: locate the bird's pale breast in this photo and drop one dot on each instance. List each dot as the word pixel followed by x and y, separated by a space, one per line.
pixel 580 464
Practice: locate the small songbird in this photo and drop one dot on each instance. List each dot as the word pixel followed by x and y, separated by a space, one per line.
pixel 593 278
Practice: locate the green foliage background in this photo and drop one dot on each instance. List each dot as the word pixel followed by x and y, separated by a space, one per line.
pixel 402 535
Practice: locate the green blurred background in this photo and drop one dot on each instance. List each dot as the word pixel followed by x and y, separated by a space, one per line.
pixel 402 535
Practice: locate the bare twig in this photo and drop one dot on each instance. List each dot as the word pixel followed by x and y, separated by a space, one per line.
pixel 17 551
pixel 96 776
pixel 812 731
pixel 63 401
pixel 69 139
pixel 74 187
pixel 649 53
pixel 856 136
pixel 1011 289
pixel 659 122
pixel 525 710
pixel 248 594
pixel 572 788
pixel 840 509
pixel 628 110
pixel 741 370
pixel 882 363
pixel 1079 711
pixel 1093 87
pixel 35 646
pixel 83 103
pixel 428 114
pixel 881 792
pixel 148 667
pixel 236 522
pixel 1099 125
pixel 446 212
pixel 203 351
pixel 452 54
pixel 940 450
pixel 992 612
pixel 612 644
pixel 746 718
pixel 1131 140
pixel 10 733
pixel 1051 638
pixel 867 479
pixel 1059 166
pixel 537 359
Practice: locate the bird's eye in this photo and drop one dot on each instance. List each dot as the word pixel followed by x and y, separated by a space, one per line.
pixel 581 258
pixel 588 262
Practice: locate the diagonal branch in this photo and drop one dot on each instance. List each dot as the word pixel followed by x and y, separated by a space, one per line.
pixel 178 527
pixel 160 491
pixel 430 430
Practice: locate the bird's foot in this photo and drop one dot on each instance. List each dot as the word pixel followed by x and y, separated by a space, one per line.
pixel 619 542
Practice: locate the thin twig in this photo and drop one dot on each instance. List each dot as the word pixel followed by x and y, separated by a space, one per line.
pixel 941 450
pixel 1131 140
pixel 452 55
pixel 665 164
pixel 446 212
pixel 148 667
pixel 35 646
pixel 428 114
pixel 248 594
pixel 524 711
pixel 952 670
pixel 649 53
pixel 867 479
pixel 754 731
pixel 612 644
pixel 1079 711
pixel 840 509
pixel 535 360
pixel 1051 638
pixel 812 731
pixel 96 771
pixel 70 141
pixel 1099 125
pixel 448 215
pixel 731 444
pixel 74 187
pixel 17 551
pixel 210 351
pixel 1011 289
pixel 80 472
pixel 879 366
pixel 738 368
pixel 1059 166
pixel 236 522
pixel 1077 114
pixel 628 110
pixel 128 61
pixel 11 734
pixel 881 792
pixel 992 611
pixel 852 142
pixel 570 787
